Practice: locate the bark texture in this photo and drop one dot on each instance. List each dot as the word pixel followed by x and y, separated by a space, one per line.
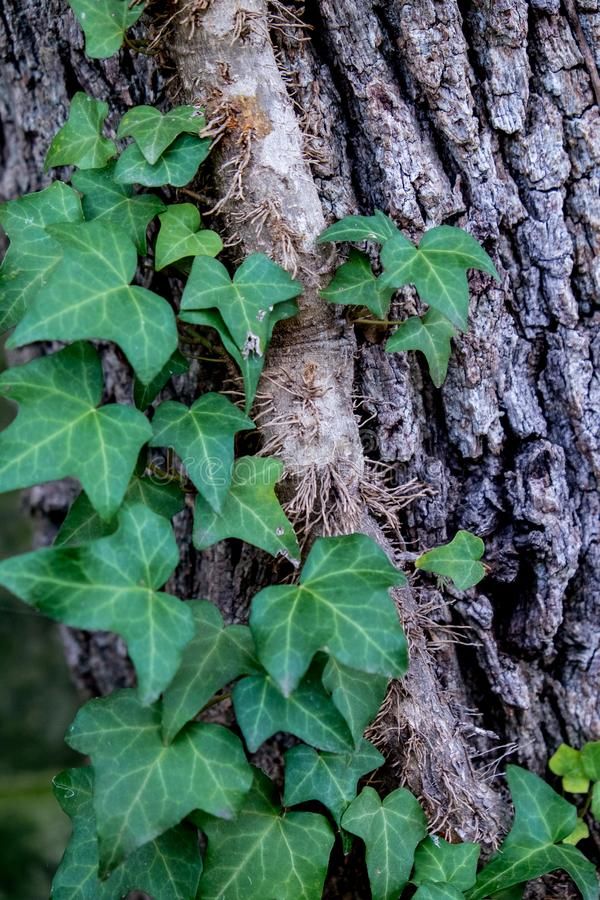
pixel 479 114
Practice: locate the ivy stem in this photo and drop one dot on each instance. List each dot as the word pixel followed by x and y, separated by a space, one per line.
pixel 216 700
pixel 380 322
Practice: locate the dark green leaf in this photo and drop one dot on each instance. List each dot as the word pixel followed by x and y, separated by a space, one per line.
pixel 144 394
pixel 203 437
pixel 180 236
pixel 458 560
pixel 356 695
pixel 33 254
pixel 378 227
pixel 111 584
pixel 104 23
pixel 168 867
pixel 80 142
pixel 532 848
pixel 438 861
pixel 154 132
pixel 60 431
pixel 143 788
pixel 431 335
pixel 590 759
pixel 214 657
pixel 250 512
pixel 89 296
pixel 330 778
pixel 435 891
pixel 116 204
pixel 244 302
pixel 342 605
pixel 437 268
pixel 261 711
pixel 265 854
pixel 354 283
pixel 177 165
pixel 391 831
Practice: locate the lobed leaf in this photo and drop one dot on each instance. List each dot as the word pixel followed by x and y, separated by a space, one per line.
pixel 33 254
pixel 60 432
pixel 111 584
pixel 250 511
pixel 430 334
pixel 116 204
pixel 181 236
pixel 451 864
pixel 154 132
pixel 177 165
pixel 214 657
pixel 203 437
pixel 143 788
pixel 88 296
pixel 341 605
pixel 168 867
pixel 104 23
pixel 568 763
pixel 356 695
pixel 80 141
pixel 377 227
pixel 355 283
pixel 265 854
pixel 458 560
pixel 391 831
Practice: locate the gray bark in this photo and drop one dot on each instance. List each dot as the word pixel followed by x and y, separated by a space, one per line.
pixel 478 114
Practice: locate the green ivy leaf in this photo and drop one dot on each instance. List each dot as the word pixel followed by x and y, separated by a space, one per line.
pixel 341 605
pixel 590 759
pixel 250 512
pixel 143 788
pixel 60 431
pixel 354 283
pixel 568 763
pixel 89 296
pixel 80 142
pixel 433 891
pixel 431 335
pixel 104 23
pixel 391 831
pixel 579 833
pixel 437 268
pixel 181 236
pixel 168 867
pixel 154 132
pixel 330 778
pixel 356 695
pixel 454 864
pixel 250 366
pixel 378 227
pixel 111 585
pixel 177 165
pixel 33 254
pixel 265 852
pixel 595 804
pixel 244 302
pixel 83 524
pixel 144 394
pixel 531 849
pixel 202 436
pixel 458 560
pixel 115 204
pixel 214 657
pixel 261 711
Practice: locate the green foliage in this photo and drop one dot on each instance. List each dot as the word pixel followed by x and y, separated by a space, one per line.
pixel 168 867
pixel 458 560
pixel 250 512
pixel 180 236
pixel 80 142
pixel 377 227
pixel 111 584
pixel 354 283
pixel 144 394
pixel 177 165
pixel 431 334
pixel 568 763
pixel 265 852
pixel 391 830
pixel 104 23
pixel 60 431
pixel 154 132
pixel 356 695
pixel 143 788
pixel 438 862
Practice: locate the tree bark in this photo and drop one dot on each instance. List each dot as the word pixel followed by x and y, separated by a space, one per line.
pixel 480 114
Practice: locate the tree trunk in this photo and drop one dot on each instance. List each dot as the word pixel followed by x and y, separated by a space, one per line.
pixel 478 114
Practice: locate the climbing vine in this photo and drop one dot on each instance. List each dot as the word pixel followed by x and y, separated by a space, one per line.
pixel 316 655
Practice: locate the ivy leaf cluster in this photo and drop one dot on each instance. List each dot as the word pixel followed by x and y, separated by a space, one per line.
pixel 436 267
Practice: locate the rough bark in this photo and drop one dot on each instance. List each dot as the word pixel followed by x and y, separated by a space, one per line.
pixel 483 115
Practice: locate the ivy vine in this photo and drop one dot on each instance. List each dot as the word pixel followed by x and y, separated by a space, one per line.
pixel 317 654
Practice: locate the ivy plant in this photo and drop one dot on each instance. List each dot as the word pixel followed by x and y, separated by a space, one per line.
pixel 317 653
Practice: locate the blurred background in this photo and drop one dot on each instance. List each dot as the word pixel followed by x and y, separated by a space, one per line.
pixel 37 703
